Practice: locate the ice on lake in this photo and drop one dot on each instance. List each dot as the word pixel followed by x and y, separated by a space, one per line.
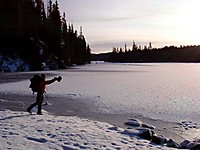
pixel 166 91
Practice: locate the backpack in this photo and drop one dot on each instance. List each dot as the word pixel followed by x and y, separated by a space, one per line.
pixel 35 83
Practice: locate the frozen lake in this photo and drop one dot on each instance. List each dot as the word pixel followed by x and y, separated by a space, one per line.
pixel 166 91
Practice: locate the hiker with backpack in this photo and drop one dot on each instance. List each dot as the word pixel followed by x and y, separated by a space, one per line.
pixel 38 84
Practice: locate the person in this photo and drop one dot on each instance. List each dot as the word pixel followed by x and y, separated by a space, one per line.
pixel 40 93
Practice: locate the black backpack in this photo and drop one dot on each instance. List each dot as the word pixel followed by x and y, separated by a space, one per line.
pixel 35 83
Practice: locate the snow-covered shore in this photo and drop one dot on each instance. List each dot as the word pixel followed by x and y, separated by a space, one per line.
pixel 22 131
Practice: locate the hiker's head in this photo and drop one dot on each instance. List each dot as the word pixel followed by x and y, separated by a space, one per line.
pixel 43 76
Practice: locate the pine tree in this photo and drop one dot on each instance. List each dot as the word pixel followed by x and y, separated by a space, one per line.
pixel 55 30
pixel 8 25
pixel 40 18
pixel 65 38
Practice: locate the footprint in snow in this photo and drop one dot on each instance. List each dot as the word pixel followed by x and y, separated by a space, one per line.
pixel 189 125
pixel 39 140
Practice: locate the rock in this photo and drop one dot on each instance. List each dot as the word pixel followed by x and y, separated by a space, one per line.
pixel 159 140
pixel 196 146
pixel 172 144
pixel 133 122
pixel 190 145
pixel 184 143
pixel 147 126
pixel 193 145
pixel 147 135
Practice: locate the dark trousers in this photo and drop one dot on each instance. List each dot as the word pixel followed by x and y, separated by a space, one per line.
pixel 38 102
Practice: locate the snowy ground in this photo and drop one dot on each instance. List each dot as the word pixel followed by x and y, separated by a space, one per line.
pixel 20 131
pixel 166 92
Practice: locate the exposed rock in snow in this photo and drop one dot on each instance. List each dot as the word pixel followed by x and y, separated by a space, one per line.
pixel 12 64
pixel 138 123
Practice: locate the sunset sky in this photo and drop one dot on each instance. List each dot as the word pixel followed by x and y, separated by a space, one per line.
pixel 114 23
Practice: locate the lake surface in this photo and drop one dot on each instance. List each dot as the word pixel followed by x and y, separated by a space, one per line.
pixel 166 91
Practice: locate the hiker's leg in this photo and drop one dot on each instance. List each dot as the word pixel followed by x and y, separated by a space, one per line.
pixel 40 100
pixel 32 105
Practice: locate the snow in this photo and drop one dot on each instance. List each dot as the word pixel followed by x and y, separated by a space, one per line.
pixel 20 130
pixel 167 92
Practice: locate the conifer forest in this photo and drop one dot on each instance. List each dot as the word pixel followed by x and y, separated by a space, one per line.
pixel 39 33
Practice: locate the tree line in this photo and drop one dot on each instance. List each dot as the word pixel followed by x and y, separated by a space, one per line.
pixel 27 28
pixel 150 54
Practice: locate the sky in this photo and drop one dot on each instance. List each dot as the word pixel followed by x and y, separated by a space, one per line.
pixel 114 23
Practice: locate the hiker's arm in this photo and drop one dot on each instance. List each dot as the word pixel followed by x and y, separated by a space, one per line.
pixel 50 81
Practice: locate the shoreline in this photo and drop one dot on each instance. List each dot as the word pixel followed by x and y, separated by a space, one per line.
pixel 61 106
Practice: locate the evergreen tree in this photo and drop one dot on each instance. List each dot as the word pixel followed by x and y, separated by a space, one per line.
pixel 65 37
pixel 40 18
pixel 55 30
pixel 8 25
